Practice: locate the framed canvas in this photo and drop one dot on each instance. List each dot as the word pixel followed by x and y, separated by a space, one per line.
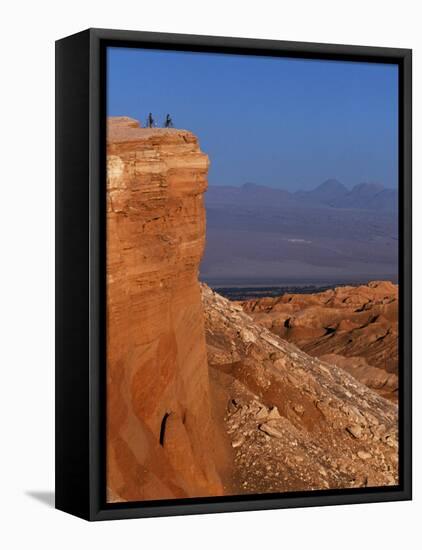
pixel 233 274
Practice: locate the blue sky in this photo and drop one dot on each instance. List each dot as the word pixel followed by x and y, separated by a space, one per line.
pixel 281 122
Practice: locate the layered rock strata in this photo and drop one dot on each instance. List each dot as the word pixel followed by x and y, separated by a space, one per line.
pixel 160 431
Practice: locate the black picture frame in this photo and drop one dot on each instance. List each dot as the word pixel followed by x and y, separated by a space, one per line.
pixel 80 272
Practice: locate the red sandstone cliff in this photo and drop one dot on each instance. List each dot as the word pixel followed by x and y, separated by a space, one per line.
pixel 160 432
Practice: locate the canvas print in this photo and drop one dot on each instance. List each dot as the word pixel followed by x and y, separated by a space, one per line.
pixel 252 275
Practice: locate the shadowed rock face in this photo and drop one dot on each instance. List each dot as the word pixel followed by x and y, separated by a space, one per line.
pixel 160 433
pixel 295 422
pixel 353 327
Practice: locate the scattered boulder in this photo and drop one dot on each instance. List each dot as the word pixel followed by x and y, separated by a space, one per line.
pixel 273 414
pixel 299 409
pixel 238 441
pixel 262 413
pixel 355 430
pixel 271 429
pixel 364 455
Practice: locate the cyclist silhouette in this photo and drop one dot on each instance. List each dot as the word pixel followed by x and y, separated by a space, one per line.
pixel 150 121
pixel 168 123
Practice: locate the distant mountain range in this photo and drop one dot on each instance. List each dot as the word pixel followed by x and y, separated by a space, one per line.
pixel 332 193
pixel 263 235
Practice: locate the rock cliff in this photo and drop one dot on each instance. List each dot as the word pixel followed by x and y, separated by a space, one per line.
pixel 160 432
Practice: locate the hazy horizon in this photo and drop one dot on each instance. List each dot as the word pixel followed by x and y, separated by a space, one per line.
pixel 310 188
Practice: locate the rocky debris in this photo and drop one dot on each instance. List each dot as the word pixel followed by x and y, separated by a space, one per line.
pixel 160 431
pixel 303 424
pixel 355 430
pixel 364 455
pixel 299 409
pixel 355 328
pixel 273 413
pixel 383 382
pixel 238 441
pixel 262 413
pixel 272 429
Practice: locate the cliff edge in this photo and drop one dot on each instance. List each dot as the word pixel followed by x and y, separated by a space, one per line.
pixel 160 431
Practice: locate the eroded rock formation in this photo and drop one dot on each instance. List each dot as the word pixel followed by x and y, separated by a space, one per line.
pixel 160 432
pixel 295 422
pixel 355 328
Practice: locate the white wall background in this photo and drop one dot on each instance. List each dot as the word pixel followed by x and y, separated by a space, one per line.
pixel 27 37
